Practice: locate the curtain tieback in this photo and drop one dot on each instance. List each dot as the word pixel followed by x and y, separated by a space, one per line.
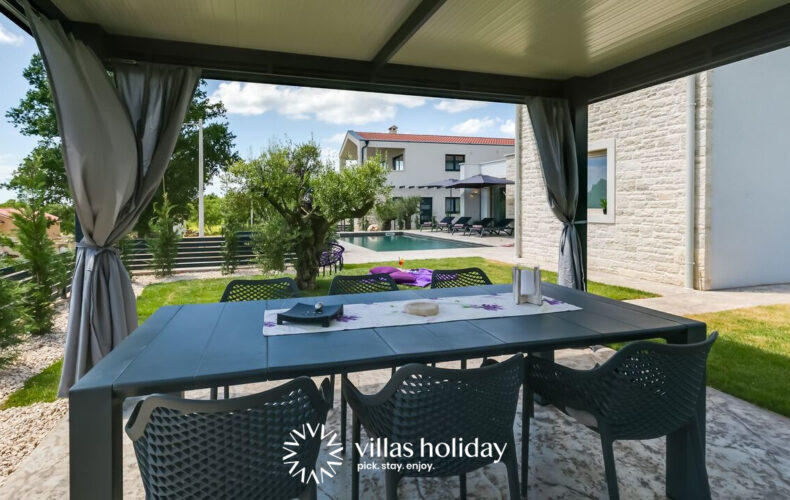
pixel 97 250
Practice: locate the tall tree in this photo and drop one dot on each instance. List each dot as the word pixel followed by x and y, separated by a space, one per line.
pixel 306 198
pixel 42 170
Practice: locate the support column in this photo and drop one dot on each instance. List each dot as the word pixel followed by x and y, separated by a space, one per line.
pixel 577 96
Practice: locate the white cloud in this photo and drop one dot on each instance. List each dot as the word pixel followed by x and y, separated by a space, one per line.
pixel 335 139
pixel 474 126
pixel 456 105
pixel 6 37
pixel 302 103
pixel 508 128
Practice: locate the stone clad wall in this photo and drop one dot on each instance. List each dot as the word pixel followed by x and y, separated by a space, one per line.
pixel 647 238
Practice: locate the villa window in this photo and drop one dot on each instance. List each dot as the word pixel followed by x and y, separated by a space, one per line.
pixel 452 163
pixel 397 163
pixel 452 204
pixel 601 181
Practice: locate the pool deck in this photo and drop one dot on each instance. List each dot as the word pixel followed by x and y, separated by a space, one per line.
pixel 494 247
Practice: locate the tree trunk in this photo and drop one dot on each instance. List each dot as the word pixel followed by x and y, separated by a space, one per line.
pixel 307 265
pixel 308 253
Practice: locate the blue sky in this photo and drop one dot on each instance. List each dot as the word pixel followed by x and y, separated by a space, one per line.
pixel 258 113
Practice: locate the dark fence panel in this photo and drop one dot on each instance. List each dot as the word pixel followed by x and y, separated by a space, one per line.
pixel 197 252
pixel 14 273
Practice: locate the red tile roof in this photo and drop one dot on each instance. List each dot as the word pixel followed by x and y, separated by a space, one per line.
pixel 9 213
pixel 451 139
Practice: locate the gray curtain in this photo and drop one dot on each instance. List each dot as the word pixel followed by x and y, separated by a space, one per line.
pixel 551 124
pixel 117 140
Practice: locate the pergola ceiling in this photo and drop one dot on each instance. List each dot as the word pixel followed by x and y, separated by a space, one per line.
pixel 498 50
pixel 537 38
pixel 351 30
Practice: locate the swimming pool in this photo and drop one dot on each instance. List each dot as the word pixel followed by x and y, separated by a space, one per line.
pixel 397 241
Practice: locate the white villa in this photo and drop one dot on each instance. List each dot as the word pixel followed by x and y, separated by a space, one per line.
pixel 695 173
pixel 416 159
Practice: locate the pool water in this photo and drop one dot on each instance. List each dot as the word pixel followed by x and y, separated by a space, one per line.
pixel 400 242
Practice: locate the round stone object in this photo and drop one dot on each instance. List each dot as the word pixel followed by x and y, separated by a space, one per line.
pixel 422 308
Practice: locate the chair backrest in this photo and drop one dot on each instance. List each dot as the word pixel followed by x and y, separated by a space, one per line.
pixel 230 448
pixel 503 223
pixel 448 219
pixel 647 389
pixel 453 278
pixel 462 220
pixel 439 405
pixel 364 283
pixel 484 222
pixel 242 290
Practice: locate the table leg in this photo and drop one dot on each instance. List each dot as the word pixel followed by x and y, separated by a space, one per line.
pixel 95 446
pixel 686 476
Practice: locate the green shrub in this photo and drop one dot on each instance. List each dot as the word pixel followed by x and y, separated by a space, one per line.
pixel 405 209
pixel 164 243
pixel 126 252
pixel 12 319
pixel 273 241
pixel 230 247
pixel 39 259
pixel 385 212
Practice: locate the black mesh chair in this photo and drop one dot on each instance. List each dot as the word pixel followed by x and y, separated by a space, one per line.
pixel 231 448
pixel 440 405
pixel 364 283
pixel 453 278
pixel 645 391
pixel 242 290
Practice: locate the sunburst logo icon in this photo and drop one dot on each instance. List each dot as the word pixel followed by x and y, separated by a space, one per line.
pixel 325 466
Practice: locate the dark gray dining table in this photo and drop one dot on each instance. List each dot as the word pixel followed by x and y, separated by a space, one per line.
pixel 208 345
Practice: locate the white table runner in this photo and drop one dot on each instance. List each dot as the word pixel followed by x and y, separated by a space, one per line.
pixel 382 314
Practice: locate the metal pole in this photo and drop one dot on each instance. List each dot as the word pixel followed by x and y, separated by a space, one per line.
pixel 200 178
pixel 691 140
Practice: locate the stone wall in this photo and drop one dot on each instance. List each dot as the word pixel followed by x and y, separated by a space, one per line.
pixel 647 238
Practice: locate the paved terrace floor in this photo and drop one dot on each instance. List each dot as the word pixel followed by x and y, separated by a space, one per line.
pixel 747 456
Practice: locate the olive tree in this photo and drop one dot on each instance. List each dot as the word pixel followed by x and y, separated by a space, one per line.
pixel 303 198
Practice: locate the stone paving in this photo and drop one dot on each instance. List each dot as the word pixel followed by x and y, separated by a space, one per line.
pixel 747 456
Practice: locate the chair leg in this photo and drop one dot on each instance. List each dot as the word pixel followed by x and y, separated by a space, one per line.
pixel 391 478
pixel 511 462
pixel 343 411
pixel 227 392
pixel 463 364
pixel 393 370
pixel 213 393
pixel 698 450
pixel 332 382
pixel 526 411
pixel 608 462
pixel 355 438
pixel 310 493
pixel 462 480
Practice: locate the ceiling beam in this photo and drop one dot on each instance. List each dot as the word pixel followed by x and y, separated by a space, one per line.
pixel 232 63
pixel 407 29
pixel 750 37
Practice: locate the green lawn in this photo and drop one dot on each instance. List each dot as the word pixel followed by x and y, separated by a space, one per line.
pixel 210 290
pixel 43 387
pixel 751 358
